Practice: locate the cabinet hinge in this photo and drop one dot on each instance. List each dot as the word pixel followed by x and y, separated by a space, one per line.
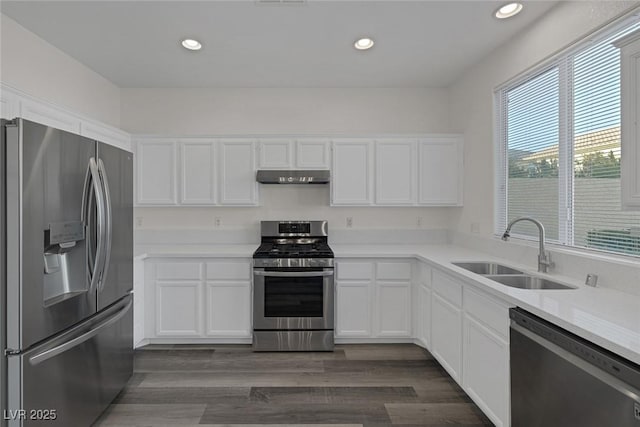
pixel 11 352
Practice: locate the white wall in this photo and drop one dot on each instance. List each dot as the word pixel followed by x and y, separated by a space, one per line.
pixel 472 95
pixel 288 111
pixel 290 202
pixel 285 111
pixel 32 65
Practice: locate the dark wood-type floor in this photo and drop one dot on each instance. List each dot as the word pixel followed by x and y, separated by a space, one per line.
pixel 357 385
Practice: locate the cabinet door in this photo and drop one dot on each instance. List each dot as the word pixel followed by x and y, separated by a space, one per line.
pixel 441 167
pixel 351 183
pixel 312 154
pixel 425 316
pixel 178 309
pixel 393 309
pixel 446 335
pixel 228 309
pixel 395 172
pixel 486 370
pixel 353 316
pixel 237 167
pixel 156 172
pixel 630 94
pixel 276 154
pixel 198 173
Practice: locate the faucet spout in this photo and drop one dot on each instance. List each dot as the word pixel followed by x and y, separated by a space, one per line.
pixel 544 257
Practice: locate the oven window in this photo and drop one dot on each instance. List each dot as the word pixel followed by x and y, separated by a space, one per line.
pixel 293 297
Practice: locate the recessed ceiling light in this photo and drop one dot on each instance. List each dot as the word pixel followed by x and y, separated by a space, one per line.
pixel 191 44
pixel 363 43
pixel 508 10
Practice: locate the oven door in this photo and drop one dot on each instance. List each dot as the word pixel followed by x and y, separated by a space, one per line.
pixel 293 300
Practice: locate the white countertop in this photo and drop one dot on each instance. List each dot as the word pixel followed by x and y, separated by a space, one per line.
pixel 604 316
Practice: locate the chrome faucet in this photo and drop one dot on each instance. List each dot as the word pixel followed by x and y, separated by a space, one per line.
pixel 544 257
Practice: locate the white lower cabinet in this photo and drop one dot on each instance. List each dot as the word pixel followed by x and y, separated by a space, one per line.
pixel 446 335
pixel 424 317
pixel 353 314
pixel 197 299
pixel 178 309
pixel 228 309
pixel 486 370
pixel 373 299
pixel 486 355
pixel 470 338
pixel 393 309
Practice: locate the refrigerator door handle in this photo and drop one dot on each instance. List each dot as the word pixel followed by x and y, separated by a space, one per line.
pixel 109 223
pixel 68 345
pixel 93 178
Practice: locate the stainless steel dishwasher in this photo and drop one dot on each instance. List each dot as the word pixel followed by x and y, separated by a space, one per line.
pixel 559 379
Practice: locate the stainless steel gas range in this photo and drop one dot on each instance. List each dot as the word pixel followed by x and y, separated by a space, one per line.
pixel 293 298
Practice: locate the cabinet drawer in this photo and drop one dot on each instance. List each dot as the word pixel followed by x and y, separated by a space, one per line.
pixel 229 270
pixel 393 270
pixel 354 270
pixel 178 270
pixel 447 288
pixel 487 311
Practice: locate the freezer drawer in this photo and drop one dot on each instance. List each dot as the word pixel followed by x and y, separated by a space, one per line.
pixel 70 379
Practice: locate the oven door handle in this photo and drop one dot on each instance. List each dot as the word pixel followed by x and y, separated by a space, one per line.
pixel 293 273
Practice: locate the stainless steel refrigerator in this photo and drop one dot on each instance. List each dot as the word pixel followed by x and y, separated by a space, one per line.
pixel 66 261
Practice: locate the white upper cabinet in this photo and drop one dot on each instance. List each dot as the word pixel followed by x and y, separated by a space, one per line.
pixel 441 171
pixel 156 172
pixel 276 154
pixel 395 172
pixel 237 165
pixel 302 153
pixel 351 180
pixel 406 171
pixel 630 93
pixel 198 172
pixel 312 154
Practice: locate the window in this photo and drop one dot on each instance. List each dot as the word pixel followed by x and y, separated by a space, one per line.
pixel 559 147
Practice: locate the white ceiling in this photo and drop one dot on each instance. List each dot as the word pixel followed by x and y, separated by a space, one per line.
pixel 137 44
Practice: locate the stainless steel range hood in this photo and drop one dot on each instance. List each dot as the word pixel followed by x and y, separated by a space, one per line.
pixel 269 176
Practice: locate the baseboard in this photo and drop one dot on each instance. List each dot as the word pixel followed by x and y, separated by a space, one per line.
pixel 374 340
pixel 195 341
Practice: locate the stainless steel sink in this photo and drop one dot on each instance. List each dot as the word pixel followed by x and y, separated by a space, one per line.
pixel 487 268
pixel 523 281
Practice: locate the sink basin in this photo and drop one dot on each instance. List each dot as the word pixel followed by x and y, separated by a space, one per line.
pixel 523 281
pixel 485 268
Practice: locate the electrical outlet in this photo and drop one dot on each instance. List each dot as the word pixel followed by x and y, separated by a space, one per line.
pixel 349 222
pixel 217 221
pixel 138 221
pixel 419 222
pixel 475 227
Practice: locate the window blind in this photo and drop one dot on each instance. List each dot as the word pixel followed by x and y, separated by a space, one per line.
pixel 532 137
pixel 598 219
pixel 559 151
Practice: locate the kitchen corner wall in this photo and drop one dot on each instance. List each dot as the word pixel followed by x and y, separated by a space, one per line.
pixel 37 68
pixel 472 96
pixel 292 111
